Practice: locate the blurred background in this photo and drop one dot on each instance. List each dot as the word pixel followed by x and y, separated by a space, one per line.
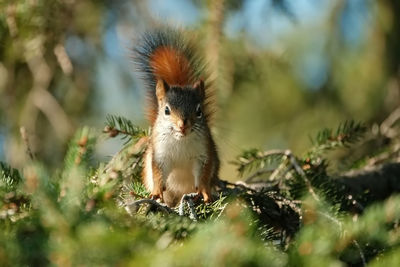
pixel 283 69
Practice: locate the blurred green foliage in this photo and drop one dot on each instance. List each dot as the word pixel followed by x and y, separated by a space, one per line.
pixel 85 213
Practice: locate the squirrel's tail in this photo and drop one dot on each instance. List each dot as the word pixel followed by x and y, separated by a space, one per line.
pixel 166 54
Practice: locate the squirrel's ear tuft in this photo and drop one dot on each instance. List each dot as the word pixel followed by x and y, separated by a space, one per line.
pixel 161 89
pixel 199 86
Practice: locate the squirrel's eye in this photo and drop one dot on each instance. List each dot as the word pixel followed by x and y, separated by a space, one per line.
pixel 167 111
pixel 198 111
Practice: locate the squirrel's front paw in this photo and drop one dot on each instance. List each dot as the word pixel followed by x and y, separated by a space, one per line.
pixel 156 195
pixel 206 194
pixel 207 198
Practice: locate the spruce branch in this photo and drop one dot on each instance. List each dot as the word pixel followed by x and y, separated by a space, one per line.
pixel 256 159
pixel 302 174
pixel 117 125
pixel 258 173
pixel 347 133
pixel 188 199
pixel 133 207
pixel 80 149
pixel 362 256
pixel 9 177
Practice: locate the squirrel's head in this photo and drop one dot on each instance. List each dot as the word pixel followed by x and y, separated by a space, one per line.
pixel 181 108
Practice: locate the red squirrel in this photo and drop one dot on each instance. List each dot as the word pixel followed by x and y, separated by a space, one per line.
pixel 182 156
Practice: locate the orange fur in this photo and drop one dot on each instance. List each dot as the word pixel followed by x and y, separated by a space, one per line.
pixel 171 66
pixel 168 61
pixel 209 178
pixel 158 187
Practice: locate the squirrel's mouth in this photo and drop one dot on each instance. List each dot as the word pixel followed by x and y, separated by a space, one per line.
pixel 179 134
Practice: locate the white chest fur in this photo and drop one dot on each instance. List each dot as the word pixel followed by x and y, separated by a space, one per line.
pixel 180 152
pixel 181 159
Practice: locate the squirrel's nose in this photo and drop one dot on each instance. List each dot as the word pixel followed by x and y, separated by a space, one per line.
pixel 182 124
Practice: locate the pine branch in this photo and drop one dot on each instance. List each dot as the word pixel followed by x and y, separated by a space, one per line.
pixel 80 149
pixel 252 159
pixel 256 159
pixel 9 177
pixel 132 207
pixel 14 202
pixel 117 125
pixel 346 134
pixel 73 181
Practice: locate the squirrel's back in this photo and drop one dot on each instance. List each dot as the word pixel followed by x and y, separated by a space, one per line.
pixel 168 55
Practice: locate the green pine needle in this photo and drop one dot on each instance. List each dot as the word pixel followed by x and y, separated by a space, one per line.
pixel 253 159
pixel 9 177
pixel 346 134
pixel 80 149
pixel 117 125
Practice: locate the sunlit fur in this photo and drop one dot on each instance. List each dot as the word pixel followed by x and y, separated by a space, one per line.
pixel 167 54
pixel 181 157
pixel 178 152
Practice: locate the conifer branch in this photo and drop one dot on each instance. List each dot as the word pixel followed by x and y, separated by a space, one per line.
pixel 80 148
pixel 254 158
pixel 302 174
pixel 117 125
pixel 347 133
pixel 188 199
pixel 9 176
pixel 132 207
